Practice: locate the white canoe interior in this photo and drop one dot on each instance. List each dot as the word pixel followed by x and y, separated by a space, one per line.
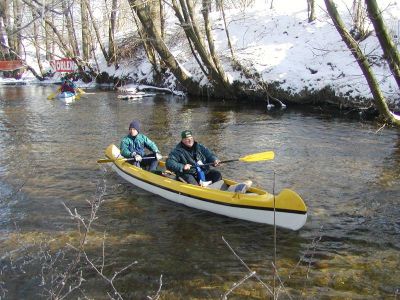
pixel 66 97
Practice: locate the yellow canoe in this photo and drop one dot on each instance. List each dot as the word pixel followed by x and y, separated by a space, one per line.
pixel 287 209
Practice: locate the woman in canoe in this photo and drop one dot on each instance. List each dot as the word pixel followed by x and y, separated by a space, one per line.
pixel 188 158
pixel 134 144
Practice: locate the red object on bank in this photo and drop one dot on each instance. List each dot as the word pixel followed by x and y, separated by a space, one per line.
pixel 10 65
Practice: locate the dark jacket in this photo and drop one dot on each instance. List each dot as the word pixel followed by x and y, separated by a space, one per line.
pixel 68 86
pixel 182 155
pixel 137 144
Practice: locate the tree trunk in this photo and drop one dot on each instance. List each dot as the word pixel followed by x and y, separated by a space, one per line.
pixel 216 75
pixel 4 54
pixel 49 38
pixel 187 26
pixel 362 61
pixel 388 47
pixel 70 29
pixel 210 39
pixel 16 36
pixel 96 30
pixel 36 41
pixel 221 7
pixel 162 19
pixel 154 8
pixel 64 47
pixel 311 10
pixel 85 32
pixel 157 42
pixel 111 33
pixel 358 30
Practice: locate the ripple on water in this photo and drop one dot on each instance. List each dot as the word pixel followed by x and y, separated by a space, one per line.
pixel 347 173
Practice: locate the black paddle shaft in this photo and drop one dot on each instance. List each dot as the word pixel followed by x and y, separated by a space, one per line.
pixel 221 162
pixel 143 158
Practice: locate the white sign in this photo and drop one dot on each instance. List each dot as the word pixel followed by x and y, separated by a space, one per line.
pixel 63 65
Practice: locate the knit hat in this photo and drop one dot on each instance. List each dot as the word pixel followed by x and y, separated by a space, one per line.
pixel 135 124
pixel 186 133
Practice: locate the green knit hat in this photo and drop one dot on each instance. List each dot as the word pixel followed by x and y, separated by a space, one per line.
pixel 186 133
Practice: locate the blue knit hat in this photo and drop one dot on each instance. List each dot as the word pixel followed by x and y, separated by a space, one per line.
pixel 135 124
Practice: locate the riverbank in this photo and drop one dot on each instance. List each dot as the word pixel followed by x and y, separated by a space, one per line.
pixel 285 57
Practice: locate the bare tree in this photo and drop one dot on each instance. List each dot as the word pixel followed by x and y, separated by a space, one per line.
pixel 221 7
pixel 389 49
pixel 16 37
pixel 155 9
pixel 4 54
pixel 96 30
pixel 210 39
pixel 359 31
pixel 36 42
pixel 186 16
pixel 49 38
pixel 379 99
pixel 111 32
pixel 85 31
pixel 311 10
pixel 66 6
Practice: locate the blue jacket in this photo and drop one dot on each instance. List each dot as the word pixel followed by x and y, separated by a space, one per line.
pixel 182 155
pixel 137 144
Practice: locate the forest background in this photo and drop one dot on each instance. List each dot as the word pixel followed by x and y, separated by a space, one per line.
pixel 342 53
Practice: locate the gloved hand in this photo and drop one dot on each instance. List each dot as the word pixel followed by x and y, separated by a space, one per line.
pixel 158 156
pixel 138 158
pixel 216 162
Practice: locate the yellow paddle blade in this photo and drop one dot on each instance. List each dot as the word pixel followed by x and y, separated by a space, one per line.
pixel 51 96
pixel 78 96
pixel 268 155
pixel 79 90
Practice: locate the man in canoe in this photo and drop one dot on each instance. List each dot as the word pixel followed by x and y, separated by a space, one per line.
pixel 134 144
pixel 190 161
pixel 68 86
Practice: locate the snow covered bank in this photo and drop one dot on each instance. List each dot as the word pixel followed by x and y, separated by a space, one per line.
pixel 303 58
pixel 287 52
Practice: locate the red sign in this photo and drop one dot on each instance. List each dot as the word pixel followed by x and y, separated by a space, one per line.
pixel 10 65
pixel 63 65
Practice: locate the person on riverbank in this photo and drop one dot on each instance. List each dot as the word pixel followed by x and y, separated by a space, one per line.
pixel 134 144
pixel 190 161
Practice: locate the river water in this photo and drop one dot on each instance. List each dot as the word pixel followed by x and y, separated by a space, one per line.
pixel 347 171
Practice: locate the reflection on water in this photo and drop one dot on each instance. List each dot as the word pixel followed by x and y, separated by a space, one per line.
pixel 347 173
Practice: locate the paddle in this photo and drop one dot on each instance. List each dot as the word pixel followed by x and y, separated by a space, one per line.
pixel 268 155
pixel 79 90
pixel 80 93
pixel 53 95
pixel 108 160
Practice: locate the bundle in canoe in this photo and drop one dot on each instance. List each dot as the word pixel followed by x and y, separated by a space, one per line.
pixel 286 209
